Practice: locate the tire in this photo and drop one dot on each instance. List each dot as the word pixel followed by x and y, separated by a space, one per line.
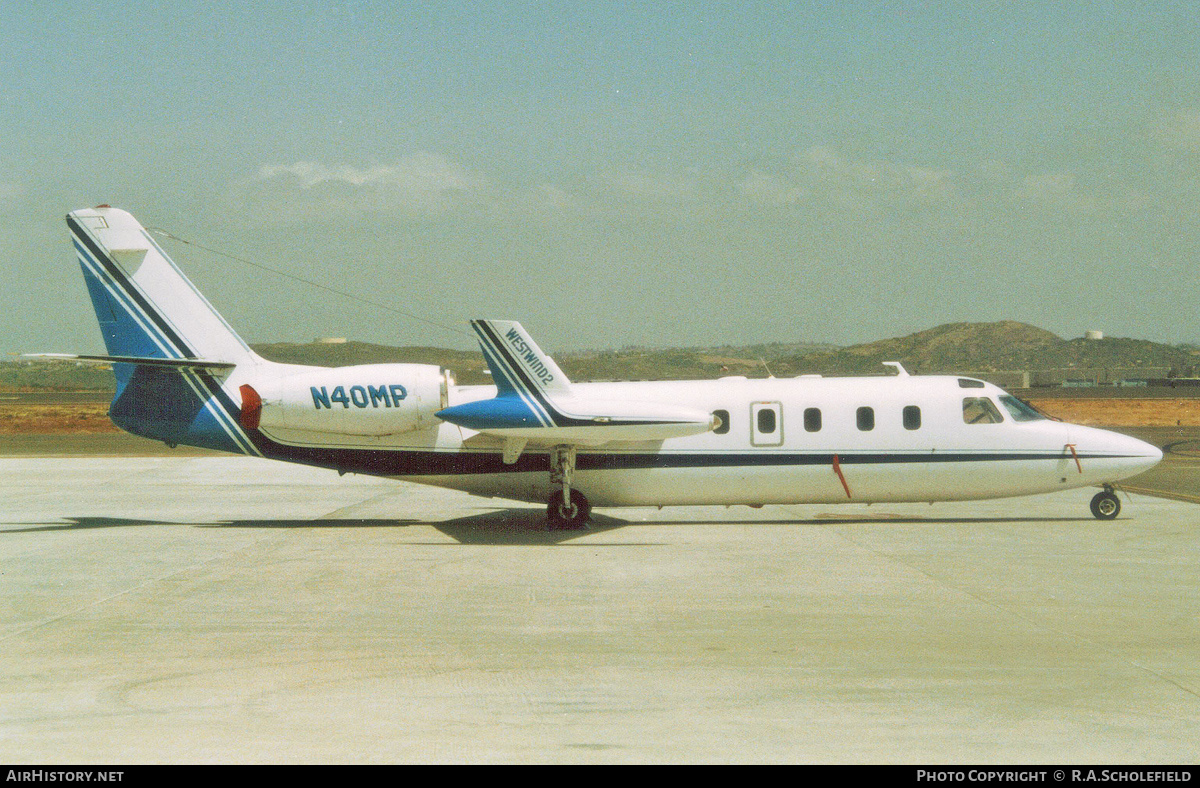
pixel 1106 506
pixel 559 520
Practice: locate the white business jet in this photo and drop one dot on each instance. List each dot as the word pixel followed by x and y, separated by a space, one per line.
pixel 185 377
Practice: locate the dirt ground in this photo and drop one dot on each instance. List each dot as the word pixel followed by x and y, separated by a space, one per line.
pixel 1123 412
pixel 88 418
pixel 91 418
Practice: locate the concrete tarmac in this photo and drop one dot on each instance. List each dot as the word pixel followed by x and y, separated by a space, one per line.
pixel 234 610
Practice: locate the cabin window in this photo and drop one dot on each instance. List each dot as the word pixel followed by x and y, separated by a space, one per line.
pixel 722 417
pixel 967 383
pixel 766 421
pixel 912 417
pixel 1019 409
pixel 980 410
pixel 812 419
pixel 866 419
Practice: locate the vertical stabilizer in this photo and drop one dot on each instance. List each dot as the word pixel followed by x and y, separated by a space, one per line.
pixel 149 310
pixel 146 306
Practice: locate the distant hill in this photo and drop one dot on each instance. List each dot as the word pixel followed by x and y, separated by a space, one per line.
pixel 639 363
pixel 984 347
pixel 630 363
pixel 46 376
pixel 954 347
pixel 468 366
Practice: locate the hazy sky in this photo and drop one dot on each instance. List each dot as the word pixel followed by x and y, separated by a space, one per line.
pixel 610 174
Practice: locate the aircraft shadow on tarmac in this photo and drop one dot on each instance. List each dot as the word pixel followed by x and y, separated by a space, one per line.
pixel 521 527
pixel 850 519
pixel 492 527
pixel 502 527
pixel 526 526
pixel 83 523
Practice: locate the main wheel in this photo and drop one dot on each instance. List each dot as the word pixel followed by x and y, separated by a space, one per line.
pixel 1106 505
pixel 561 517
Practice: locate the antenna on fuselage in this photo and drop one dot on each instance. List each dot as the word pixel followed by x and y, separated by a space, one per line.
pixel 900 370
pixel 770 374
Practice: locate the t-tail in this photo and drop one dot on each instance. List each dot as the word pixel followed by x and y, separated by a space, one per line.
pixel 172 353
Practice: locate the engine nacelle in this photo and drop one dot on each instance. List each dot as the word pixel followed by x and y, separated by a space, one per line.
pixel 369 399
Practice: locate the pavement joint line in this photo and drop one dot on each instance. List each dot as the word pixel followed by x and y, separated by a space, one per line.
pixel 349 508
pixel 130 590
pixel 839 530
pixel 1161 493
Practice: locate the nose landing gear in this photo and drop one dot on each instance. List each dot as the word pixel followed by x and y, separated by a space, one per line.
pixel 1106 505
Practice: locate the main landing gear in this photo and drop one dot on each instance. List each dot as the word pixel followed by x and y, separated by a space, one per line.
pixel 1106 505
pixel 568 509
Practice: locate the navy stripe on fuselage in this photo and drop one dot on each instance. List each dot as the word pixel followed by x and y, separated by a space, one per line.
pixel 424 462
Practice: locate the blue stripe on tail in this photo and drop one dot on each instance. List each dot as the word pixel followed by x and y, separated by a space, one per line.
pixel 170 406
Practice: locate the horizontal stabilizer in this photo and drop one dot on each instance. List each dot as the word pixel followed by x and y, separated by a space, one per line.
pixel 164 363
pixel 535 401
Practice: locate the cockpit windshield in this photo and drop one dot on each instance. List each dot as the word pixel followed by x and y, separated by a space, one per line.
pixel 1020 410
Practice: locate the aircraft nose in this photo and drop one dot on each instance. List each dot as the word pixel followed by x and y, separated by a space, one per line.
pixel 1147 455
pixel 1121 455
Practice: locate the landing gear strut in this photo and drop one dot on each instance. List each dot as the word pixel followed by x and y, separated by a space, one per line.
pixel 568 509
pixel 1106 505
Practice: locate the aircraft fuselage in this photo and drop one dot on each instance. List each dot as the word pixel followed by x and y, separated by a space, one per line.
pixel 898 438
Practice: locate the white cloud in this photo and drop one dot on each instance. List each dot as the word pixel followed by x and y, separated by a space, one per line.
pixel 770 190
pixel 555 198
pixel 820 175
pixel 879 180
pixel 821 178
pixel 645 185
pixel 1046 188
pixel 423 183
pixel 817 179
pixel 1180 131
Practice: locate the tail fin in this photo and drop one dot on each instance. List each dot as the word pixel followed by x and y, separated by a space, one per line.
pixel 518 365
pixel 150 312
pixel 146 307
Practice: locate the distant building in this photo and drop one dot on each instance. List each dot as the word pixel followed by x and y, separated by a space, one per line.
pixel 1078 377
pixel 1093 334
pixel 330 341
pixel 1175 382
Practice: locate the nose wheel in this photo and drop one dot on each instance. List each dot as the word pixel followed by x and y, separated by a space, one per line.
pixel 568 509
pixel 1106 505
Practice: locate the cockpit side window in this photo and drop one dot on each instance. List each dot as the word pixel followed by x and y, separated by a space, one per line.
pixel 1019 409
pixel 980 410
